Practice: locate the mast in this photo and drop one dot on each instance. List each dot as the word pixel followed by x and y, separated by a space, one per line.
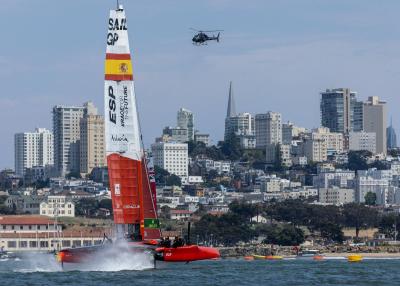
pixel 127 168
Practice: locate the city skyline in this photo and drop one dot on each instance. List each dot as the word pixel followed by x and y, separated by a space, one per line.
pixel 270 59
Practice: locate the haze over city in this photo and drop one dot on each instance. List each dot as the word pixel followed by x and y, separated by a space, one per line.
pixel 280 56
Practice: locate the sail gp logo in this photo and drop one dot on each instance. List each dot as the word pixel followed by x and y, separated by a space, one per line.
pixel 121 138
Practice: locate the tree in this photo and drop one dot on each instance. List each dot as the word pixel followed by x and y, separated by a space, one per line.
pixel 106 204
pixel 357 160
pixel 285 235
pixel 370 198
pixel 86 207
pixel 173 180
pixel 332 231
pixel 359 216
pixel 165 212
pixel 163 177
pixel 230 148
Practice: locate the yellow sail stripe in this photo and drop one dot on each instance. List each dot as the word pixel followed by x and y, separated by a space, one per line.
pixel 118 67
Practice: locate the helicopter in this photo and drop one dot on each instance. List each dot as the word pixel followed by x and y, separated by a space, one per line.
pixel 201 37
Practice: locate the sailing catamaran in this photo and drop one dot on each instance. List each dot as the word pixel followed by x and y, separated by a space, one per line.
pixel 131 176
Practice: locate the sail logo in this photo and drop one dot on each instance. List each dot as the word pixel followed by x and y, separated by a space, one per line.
pixel 124 107
pixel 112 105
pixel 117 190
pixel 115 25
pixel 131 206
pixel 121 138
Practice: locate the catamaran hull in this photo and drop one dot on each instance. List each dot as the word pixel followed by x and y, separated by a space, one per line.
pixel 186 253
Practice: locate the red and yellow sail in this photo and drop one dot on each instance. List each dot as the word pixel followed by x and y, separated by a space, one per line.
pixel 131 194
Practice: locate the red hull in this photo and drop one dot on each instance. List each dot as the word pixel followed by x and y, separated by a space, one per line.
pixel 187 253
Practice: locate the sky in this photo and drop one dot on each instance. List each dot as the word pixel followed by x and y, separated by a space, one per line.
pixel 279 55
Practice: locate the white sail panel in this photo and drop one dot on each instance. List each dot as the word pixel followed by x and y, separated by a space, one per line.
pixel 122 126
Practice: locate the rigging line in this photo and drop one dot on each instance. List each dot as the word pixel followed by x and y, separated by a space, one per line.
pixel 144 153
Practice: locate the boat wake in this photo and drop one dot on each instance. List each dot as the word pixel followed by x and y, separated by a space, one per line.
pixel 116 258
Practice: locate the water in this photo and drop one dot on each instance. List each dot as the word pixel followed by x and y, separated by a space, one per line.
pixel 223 272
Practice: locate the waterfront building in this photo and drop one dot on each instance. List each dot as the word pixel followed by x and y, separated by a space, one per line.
pixel 25 203
pixel 335 196
pixel 38 233
pixel 92 145
pixel 362 141
pixel 268 129
pixel 375 120
pixel 58 206
pixel 186 121
pixel 172 157
pixel 66 130
pixel 33 149
pixel 340 110
pixel 391 137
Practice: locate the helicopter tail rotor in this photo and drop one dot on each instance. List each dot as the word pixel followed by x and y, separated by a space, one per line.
pixel 218 38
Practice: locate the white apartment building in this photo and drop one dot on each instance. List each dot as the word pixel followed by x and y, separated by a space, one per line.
pixel 338 178
pixel 66 130
pixel 336 196
pixel 172 157
pixel 58 206
pixel 368 184
pixel 334 141
pixel 362 141
pixel 185 121
pixel 33 149
pixel 268 129
pixel 315 150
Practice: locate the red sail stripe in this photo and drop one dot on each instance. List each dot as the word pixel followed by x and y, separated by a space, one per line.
pixel 117 77
pixel 118 56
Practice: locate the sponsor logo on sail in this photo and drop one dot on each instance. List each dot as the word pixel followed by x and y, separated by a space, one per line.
pixel 120 138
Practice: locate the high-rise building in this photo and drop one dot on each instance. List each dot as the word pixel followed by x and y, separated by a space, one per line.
pixel 177 134
pixel 33 149
pixel 92 145
pixel 240 124
pixel 391 137
pixel 172 157
pixel 375 120
pixel 362 141
pixel 185 121
pixel 268 129
pixel 340 110
pixel 230 113
pixel 66 130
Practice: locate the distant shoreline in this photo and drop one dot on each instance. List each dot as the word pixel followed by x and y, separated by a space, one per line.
pixel 364 254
